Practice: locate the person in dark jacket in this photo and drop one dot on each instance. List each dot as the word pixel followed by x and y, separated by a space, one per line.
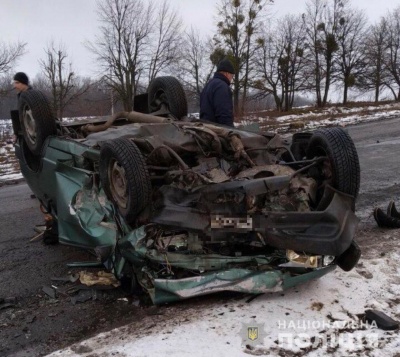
pixel 21 82
pixel 216 103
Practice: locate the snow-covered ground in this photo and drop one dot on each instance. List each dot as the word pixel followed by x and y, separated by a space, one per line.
pixel 9 168
pixel 341 116
pixel 319 318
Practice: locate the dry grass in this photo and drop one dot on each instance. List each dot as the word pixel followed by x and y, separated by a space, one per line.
pixel 365 109
pixel 267 120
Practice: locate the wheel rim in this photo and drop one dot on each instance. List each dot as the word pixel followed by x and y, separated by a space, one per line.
pixel 29 124
pixel 118 184
pixel 327 170
pixel 326 167
pixel 159 99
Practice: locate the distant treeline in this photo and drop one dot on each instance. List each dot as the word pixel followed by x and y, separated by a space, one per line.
pixel 329 49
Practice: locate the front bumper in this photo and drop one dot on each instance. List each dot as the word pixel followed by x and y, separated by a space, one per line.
pixel 327 231
pixel 238 280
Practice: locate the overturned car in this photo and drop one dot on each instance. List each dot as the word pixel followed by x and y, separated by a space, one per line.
pixel 180 207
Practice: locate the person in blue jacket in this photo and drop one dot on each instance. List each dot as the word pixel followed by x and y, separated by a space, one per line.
pixel 216 103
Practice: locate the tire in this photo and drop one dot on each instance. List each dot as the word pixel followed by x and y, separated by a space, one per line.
pixel 342 171
pixel 36 118
pixel 124 177
pixel 169 92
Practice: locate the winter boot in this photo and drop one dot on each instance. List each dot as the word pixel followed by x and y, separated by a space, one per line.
pixel 384 220
pixel 392 211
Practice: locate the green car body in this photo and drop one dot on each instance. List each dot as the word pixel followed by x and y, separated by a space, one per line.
pixel 217 209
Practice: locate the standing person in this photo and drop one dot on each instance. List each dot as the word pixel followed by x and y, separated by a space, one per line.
pixel 21 82
pixel 216 103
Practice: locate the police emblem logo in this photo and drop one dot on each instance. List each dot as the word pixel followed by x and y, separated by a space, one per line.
pixel 252 333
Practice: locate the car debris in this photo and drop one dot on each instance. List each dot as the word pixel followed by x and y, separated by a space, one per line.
pixel 180 208
pixel 83 296
pixel 75 288
pixel 98 278
pixel 46 232
pixel 39 228
pixel 82 286
pixel 382 320
pixel 85 264
pixel 37 237
pixel 50 291
pixel 72 278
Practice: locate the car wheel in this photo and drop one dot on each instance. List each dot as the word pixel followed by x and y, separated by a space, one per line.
pixel 36 118
pixel 168 92
pixel 124 177
pixel 341 169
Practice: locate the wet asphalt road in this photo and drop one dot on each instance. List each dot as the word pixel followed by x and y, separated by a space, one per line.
pixel 378 147
pixel 32 324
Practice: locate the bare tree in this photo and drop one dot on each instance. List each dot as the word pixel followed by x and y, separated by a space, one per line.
pixel 122 46
pixel 321 20
pixel 392 55
pixel 167 40
pixel 8 100
pixel 42 83
pixel 64 84
pixel 93 102
pixel 5 85
pixel 374 76
pixel 280 61
pixel 351 57
pixel 268 82
pixel 240 22
pixel 9 54
pixel 137 42
pixel 195 67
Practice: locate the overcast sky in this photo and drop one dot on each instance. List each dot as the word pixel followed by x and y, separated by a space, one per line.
pixel 73 22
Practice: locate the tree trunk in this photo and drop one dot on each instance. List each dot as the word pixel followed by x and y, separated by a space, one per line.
pixel 278 102
pixel 376 94
pixel 327 80
pixel 345 91
pixel 318 84
pixel 286 97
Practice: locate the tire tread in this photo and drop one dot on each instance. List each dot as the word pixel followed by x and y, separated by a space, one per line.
pixel 43 116
pixel 343 156
pixel 175 94
pixel 138 180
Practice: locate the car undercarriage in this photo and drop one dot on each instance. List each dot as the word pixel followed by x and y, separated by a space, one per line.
pixel 181 207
